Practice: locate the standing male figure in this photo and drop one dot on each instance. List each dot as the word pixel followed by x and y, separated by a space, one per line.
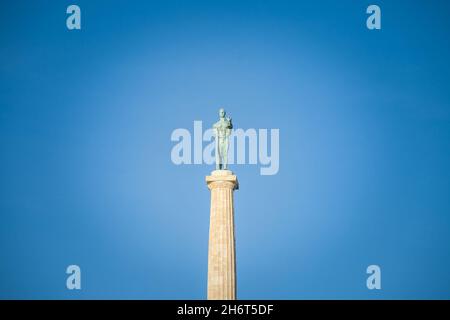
pixel 222 130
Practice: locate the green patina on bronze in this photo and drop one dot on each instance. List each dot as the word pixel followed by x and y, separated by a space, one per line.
pixel 222 131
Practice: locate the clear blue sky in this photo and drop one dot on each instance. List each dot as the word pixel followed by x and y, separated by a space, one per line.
pixel 86 176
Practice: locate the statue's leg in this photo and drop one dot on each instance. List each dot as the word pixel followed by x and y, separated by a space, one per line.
pixel 225 155
pixel 221 155
pixel 218 163
pixel 217 155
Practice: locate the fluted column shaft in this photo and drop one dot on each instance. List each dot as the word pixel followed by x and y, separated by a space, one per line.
pixel 221 251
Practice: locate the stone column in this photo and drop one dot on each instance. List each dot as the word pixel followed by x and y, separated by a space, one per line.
pixel 221 252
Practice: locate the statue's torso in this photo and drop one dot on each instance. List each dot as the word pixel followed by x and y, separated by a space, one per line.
pixel 223 128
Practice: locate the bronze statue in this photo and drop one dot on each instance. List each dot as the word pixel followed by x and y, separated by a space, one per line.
pixel 222 130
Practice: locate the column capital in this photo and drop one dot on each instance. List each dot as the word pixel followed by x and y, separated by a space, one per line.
pixel 222 179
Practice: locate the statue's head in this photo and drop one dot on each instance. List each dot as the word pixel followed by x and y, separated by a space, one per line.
pixel 222 112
